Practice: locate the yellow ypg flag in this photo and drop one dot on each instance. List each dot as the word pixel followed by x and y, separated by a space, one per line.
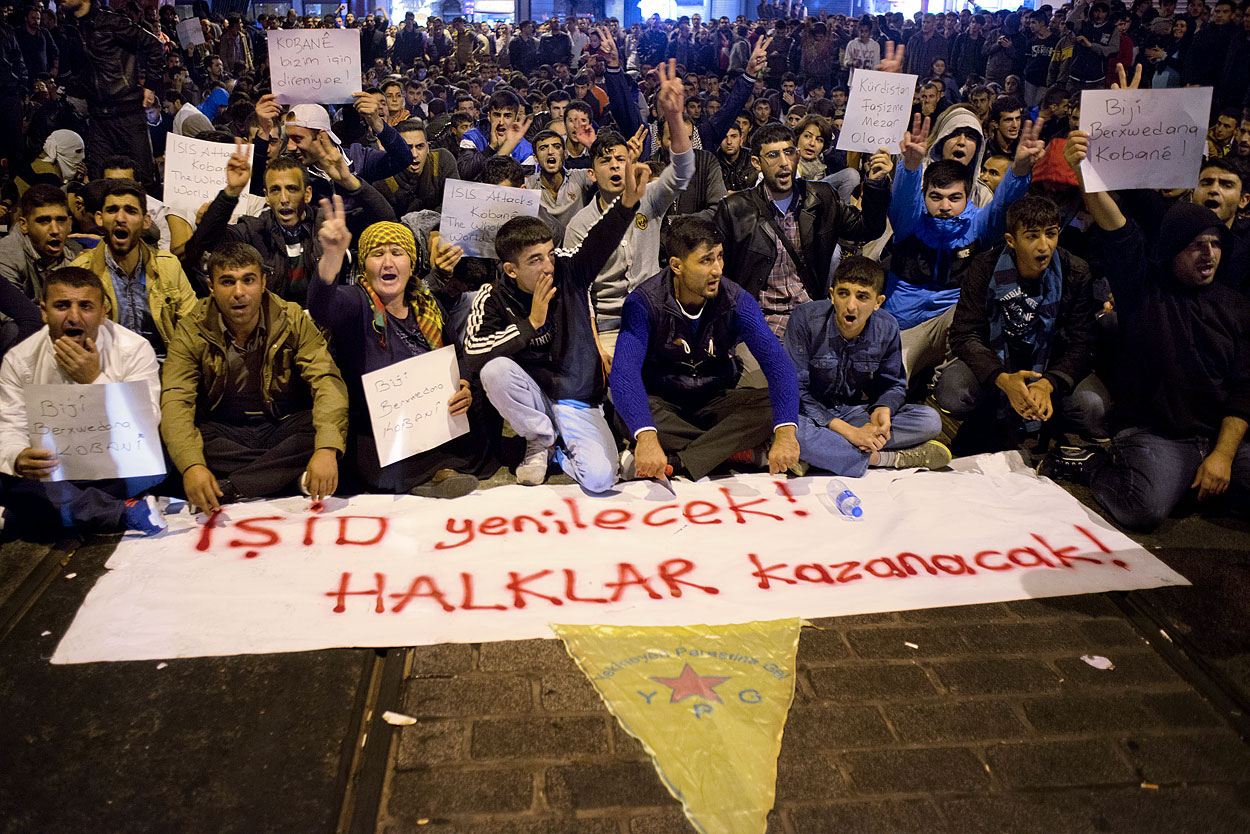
pixel 707 702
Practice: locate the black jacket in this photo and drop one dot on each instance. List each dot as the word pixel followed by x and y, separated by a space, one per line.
pixel 408 192
pixel 1071 352
pixel 287 280
pixel 107 59
pixel 751 245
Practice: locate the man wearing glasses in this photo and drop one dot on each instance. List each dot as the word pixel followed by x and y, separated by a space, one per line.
pixel 780 235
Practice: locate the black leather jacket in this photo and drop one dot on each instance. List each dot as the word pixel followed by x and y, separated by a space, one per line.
pixel 751 244
pixel 107 59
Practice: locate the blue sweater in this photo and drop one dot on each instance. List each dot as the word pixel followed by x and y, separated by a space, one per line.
pixel 637 341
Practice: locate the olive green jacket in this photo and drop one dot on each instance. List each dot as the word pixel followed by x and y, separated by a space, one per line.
pixel 193 379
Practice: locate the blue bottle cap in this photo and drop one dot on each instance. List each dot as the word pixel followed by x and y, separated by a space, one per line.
pixel 856 512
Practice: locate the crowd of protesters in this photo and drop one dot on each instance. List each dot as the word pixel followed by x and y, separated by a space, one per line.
pixel 710 282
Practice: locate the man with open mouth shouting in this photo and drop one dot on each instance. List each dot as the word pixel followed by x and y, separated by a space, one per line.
pixel 77 346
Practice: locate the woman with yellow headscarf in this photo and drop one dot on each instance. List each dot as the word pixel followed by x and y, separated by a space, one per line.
pixel 385 317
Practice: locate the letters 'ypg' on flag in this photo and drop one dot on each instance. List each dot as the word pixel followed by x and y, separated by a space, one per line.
pixel 707 702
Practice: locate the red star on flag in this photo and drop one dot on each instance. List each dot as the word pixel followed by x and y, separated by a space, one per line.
pixel 690 682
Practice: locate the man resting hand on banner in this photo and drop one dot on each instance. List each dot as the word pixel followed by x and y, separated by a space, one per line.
pixel 77 346
pixel 274 408
pixel 675 370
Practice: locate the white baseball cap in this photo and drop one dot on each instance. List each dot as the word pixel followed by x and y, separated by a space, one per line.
pixel 313 117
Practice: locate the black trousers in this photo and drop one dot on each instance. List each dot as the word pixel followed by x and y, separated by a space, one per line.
pixel 260 459
pixel 703 434
pixel 48 507
pixel 121 134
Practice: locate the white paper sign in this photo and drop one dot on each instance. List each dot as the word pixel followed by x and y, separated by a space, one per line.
pixel 190 32
pixel 195 171
pixel 473 213
pixel 500 564
pixel 408 405
pixel 314 66
pixel 102 431
pixel 1144 138
pixel 877 111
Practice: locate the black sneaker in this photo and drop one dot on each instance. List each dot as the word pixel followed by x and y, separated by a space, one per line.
pixel 1071 463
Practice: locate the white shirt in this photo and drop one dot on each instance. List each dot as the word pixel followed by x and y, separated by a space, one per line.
pixel 125 356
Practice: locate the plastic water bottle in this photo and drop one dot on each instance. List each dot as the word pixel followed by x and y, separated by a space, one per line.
pixel 846 501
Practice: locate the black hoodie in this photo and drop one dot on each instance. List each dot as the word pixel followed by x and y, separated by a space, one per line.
pixel 1183 362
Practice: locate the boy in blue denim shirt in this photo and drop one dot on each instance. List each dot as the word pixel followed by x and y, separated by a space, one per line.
pixel 851 381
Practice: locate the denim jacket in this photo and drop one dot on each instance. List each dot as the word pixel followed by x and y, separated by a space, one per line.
pixel 834 372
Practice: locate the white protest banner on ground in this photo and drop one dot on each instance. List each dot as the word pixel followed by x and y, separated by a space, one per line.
pixel 503 563
pixel 190 32
pixel 1144 138
pixel 878 110
pixel 102 431
pixel 314 66
pixel 473 213
pixel 195 172
pixel 408 405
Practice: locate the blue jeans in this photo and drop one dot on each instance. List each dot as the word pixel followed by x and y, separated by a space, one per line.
pixel 587 450
pixel 1148 474
pixel 825 449
pixel 1084 409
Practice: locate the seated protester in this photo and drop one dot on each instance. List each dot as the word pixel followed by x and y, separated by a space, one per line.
pixel 531 336
pixel 145 289
pixel 79 346
pixel 251 401
pixel 39 242
pixel 993 169
pixel 1006 118
pixel 851 383
pixel 502 134
pixel 673 381
pixel 780 236
pixel 563 192
pixel 169 232
pixel 285 234
pixel 305 123
pixel 1181 388
pixel 388 316
pixel 1023 337
pixel 420 186
pixel 637 254
pixel 736 169
pixel 937 231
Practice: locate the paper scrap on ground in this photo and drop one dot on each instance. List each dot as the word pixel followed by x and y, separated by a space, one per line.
pixel 408 405
pixel 878 111
pixel 111 430
pixel 1098 661
pixel 500 564
pixel 314 66
pixel 195 171
pixel 474 211
pixel 1144 138
pixel 708 703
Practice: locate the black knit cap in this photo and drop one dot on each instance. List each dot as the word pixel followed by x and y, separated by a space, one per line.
pixel 1181 224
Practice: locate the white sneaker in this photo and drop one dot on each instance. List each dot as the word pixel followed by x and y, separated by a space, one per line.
pixel 629 472
pixel 533 469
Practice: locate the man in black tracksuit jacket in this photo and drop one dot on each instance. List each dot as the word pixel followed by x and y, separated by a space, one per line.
pixel 108 60
pixel 531 336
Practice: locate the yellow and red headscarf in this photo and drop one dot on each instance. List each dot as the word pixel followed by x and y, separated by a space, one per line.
pixel 424 306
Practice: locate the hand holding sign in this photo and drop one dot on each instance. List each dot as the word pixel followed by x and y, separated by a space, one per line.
pixel 35 464
pixel 416 404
